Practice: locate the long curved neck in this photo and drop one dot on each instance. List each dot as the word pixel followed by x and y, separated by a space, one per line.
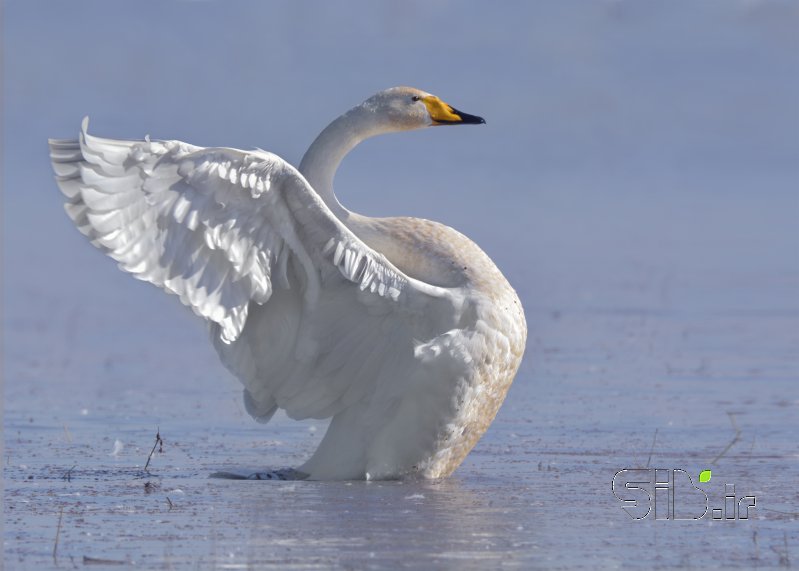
pixel 323 157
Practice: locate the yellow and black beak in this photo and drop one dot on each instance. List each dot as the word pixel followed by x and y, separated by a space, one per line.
pixel 443 114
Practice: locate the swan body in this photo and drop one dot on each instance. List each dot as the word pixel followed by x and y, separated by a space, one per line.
pixel 400 329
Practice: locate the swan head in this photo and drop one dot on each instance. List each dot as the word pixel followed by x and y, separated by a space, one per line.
pixel 406 108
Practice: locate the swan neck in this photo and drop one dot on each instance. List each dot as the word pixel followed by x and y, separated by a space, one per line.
pixel 321 160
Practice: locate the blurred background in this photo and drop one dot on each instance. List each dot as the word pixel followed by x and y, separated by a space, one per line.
pixel 637 181
pixel 618 132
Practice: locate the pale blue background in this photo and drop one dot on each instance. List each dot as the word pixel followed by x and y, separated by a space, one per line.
pixel 611 125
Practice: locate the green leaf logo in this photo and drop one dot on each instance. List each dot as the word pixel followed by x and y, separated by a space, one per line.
pixel 704 476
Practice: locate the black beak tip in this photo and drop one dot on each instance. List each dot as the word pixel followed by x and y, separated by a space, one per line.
pixel 467 119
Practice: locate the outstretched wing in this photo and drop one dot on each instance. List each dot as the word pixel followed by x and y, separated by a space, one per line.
pixel 235 233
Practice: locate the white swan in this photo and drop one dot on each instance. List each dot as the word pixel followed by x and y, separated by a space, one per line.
pixel 400 329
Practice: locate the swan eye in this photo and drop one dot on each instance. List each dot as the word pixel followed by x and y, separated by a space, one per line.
pixel 416 98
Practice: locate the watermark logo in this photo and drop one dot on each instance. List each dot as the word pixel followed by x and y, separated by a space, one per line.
pixel 670 494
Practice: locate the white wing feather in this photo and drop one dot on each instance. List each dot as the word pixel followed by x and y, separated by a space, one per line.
pixel 304 313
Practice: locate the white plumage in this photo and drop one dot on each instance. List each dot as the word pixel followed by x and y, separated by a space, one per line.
pixel 401 330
